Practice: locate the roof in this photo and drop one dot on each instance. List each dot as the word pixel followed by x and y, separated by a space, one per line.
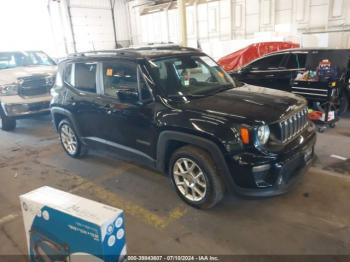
pixel 20 51
pixel 148 52
pixel 307 49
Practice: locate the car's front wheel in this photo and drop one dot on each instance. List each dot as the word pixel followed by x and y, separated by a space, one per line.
pixel 69 139
pixel 196 177
pixel 8 123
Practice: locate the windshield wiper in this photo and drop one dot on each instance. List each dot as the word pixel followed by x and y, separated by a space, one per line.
pixel 191 96
pixel 218 89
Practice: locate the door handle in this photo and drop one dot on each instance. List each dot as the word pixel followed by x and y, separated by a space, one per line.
pixel 270 75
pixel 110 109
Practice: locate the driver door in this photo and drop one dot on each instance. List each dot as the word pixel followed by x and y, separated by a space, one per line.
pixel 127 123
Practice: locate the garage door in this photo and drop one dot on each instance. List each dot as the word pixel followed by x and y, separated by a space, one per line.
pixel 92 24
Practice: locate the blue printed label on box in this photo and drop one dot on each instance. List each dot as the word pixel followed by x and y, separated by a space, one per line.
pixel 64 227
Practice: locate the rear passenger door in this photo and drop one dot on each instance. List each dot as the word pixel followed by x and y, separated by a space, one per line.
pixel 81 99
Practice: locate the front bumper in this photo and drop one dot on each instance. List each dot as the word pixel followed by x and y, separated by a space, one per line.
pixel 21 107
pixel 269 176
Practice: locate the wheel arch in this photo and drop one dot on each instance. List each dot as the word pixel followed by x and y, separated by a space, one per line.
pixel 169 141
pixel 58 114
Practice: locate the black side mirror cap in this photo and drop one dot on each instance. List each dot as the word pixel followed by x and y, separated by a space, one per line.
pixel 127 95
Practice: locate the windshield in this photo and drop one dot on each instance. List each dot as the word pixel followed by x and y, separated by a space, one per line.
pixel 15 59
pixel 190 76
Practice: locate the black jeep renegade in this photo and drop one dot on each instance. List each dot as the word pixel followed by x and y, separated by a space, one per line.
pixel 174 109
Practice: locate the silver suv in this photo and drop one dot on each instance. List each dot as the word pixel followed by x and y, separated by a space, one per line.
pixel 25 82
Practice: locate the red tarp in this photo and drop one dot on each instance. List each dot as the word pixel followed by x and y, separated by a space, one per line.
pixel 244 56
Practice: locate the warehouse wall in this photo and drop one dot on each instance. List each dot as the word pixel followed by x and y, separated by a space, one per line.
pixel 83 25
pixel 226 25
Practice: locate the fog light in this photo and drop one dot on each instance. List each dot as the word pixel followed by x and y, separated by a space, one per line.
pixel 261 175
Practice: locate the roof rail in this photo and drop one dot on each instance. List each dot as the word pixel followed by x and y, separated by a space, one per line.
pixel 121 51
pixel 163 46
pixel 134 52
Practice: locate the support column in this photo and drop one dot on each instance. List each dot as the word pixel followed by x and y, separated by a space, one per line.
pixel 71 26
pixel 181 6
pixel 112 3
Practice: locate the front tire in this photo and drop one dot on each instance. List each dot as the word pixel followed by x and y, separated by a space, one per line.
pixel 8 123
pixel 70 140
pixel 195 177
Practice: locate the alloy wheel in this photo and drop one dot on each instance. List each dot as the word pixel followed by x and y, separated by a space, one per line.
pixel 69 139
pixel 189 179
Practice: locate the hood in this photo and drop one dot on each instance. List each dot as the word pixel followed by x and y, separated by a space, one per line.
pixel 11 75
pixel 248 104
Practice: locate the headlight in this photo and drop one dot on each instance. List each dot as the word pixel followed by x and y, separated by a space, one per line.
pixel 9 90
pixel 263 134
pixel 50 80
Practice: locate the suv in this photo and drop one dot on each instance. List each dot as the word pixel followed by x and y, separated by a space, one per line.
pixel 25 82
pixel 177 111
pixel 280 70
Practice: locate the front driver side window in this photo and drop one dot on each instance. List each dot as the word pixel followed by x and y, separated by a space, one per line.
pixel 119 76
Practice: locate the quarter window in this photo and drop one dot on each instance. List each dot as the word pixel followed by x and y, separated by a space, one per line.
pixel 68 76
pixel 296 61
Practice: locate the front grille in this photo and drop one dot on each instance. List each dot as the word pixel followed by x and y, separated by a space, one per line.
pixel 32 86
pixel 293 125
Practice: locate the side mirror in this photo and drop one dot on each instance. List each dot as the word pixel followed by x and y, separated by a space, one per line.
pixel 128 95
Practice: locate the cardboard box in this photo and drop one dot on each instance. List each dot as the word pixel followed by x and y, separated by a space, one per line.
pixel 65 227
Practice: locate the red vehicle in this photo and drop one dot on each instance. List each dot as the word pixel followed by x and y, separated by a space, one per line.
pixel 242 57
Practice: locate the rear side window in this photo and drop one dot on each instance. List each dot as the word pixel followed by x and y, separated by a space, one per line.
pixel 85 77
pixel 81 76
pixel 270 62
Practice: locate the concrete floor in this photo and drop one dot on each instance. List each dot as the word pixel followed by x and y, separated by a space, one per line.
pixel 312 219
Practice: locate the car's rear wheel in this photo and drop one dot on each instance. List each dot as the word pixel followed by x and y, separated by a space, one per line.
pixel 69 139
pixel 196 177
pixel 8 123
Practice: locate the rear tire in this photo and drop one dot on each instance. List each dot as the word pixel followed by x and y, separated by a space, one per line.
pixel 70 141
pixel 196 177
pixel 8 123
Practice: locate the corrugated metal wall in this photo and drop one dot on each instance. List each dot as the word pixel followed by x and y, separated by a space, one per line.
pixel 224 25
